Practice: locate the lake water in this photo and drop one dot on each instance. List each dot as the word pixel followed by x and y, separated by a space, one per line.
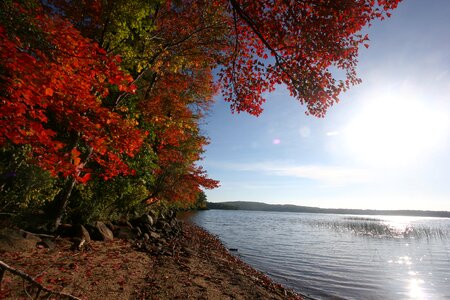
pixel 341 256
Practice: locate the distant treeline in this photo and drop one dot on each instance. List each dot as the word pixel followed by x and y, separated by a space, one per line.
pixel 244 205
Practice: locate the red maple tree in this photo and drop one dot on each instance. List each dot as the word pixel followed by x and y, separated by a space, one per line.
pixel 295 43
pixel 53 95
pixel 63 87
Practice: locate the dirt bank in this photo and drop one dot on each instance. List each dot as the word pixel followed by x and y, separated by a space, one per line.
pixel 196 266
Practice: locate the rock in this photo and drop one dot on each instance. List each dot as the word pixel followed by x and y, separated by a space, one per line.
pixel 17 240
pixel 157 249
pixel 47 243
pixel 154 216
pixel 148 228
pixel 121 222
pixel 159 225
pixel 99 232
pixel 138 231
pixel 110 226
pixel 81 232
pixel 66 230
pixel 146 218
pixel 154 235
pixel 93 232
pixel 166 226
pixel 107 234
pixel 135 222
pixel 124 233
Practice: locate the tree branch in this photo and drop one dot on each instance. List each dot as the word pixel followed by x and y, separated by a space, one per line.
pixel 4 267
pixel 253 26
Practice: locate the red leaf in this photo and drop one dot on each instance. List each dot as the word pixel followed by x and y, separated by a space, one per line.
pixel 85 178
pixel 48 92
pixel 75 153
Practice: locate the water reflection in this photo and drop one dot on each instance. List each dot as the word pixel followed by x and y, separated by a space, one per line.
pixel 342 256
pixel 404 260
pixel 415 289
pixel 399 224
pixel 399 227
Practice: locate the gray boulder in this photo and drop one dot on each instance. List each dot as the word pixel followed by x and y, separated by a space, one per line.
pixel 81 232
pixel 146 218
pixel 17 240
pixel 47 243
pixel 124 232
pixel 99 232
pixel 105 232
pixel 155 235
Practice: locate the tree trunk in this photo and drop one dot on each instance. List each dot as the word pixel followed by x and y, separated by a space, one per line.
pixel 62 199
pixel 60 204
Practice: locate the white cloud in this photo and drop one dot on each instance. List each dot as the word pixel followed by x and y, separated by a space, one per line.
pixel 327 175
pixel 332 133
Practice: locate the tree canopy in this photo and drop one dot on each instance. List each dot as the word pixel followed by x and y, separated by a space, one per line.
pixel 109 95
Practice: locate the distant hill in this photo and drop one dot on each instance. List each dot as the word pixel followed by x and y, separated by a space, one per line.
pixel 246 205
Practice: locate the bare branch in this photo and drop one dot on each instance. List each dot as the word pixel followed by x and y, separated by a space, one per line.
pixel 4 267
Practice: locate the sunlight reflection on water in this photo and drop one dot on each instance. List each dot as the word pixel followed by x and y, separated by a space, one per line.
pixel 404 260
pixel 399 223
pixel 341 256
pixel 415 290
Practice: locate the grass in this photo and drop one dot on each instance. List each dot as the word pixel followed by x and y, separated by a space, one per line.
pixel 360 219
pixel 382 229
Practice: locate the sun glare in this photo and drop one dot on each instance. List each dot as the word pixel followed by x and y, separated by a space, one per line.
pixel 396 129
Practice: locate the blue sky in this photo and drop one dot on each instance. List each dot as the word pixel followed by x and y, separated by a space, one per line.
pixel 386 145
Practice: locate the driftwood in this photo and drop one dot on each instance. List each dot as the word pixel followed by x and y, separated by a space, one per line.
pixel 40 235
pixel 7 214
pixel 4 267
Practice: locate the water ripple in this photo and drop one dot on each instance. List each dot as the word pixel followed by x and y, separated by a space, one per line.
pixel 339 256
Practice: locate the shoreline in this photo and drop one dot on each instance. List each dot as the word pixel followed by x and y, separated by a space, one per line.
pixel 278 288
pixel 215 272
pixel 196 265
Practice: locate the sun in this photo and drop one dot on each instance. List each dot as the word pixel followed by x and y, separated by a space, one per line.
pixel 396 128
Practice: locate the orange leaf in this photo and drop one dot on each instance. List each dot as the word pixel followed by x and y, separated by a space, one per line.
pixel 48 92
pixel 75 153
pixel 76 161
